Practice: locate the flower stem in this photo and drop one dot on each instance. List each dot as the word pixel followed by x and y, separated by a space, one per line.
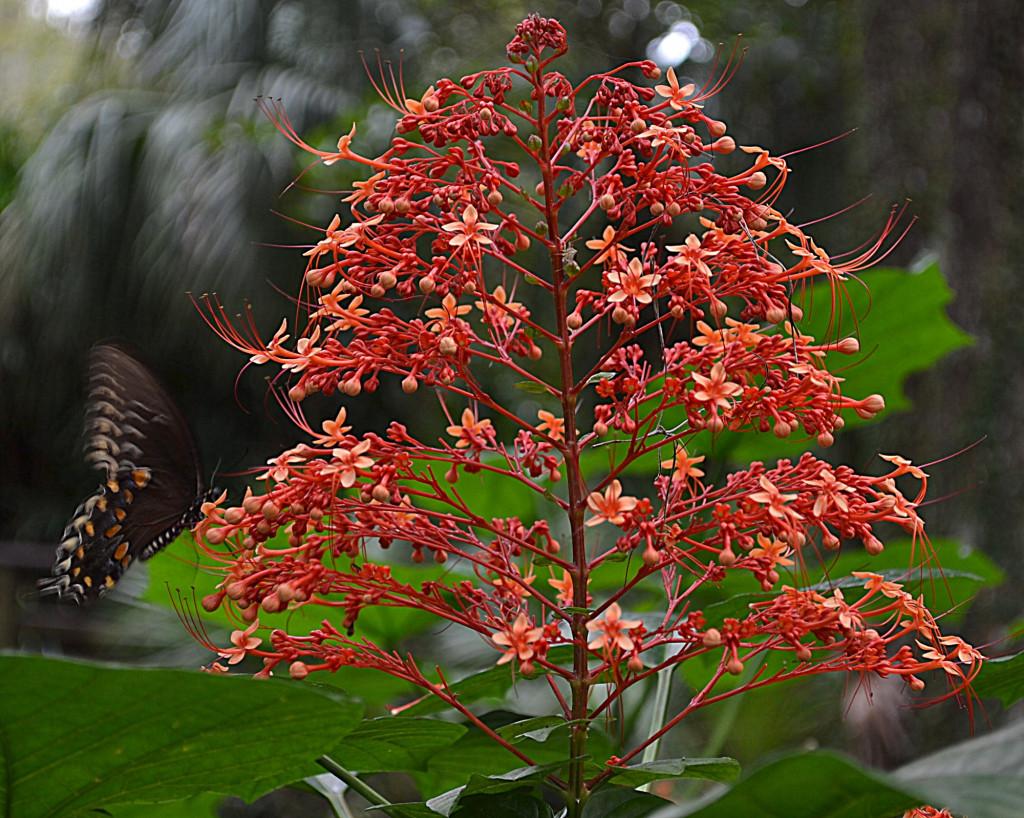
pixel 361 787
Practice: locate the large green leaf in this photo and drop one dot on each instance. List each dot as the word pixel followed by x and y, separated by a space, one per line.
pixel 903 328
pixel 709 769
pixel 513 780
pixel 980 778
pixel 199 806
pixel 1002 679
pixel 76 737
pixel 390 744
pixel 504 805
pixel 491 683
pixel 178 569
pixel 619 802
pixel 809 785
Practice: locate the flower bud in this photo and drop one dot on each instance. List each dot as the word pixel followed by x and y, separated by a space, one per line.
pixel 271 603
pixel 447 346
pixel 606 202
pixel 775 314
pixel 298 670
pixel 352 387
pixel 651 557
pixel 211 602
pixel 635 663
pixel 712 638
pixel 427 285
pixel 410 384
pixel 215 536
pixel 718 309
pixel 757 180
pixel 716 128
pixel 825 439
pixel 873 545
pixel 725 144
pixel 270 510
pixel 726 557
pixel 870 406
pixel 734 666
pixel 848 346
pixel 286 592
pixel 600 429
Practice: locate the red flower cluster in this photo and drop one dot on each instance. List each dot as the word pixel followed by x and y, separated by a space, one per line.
pixel 453 258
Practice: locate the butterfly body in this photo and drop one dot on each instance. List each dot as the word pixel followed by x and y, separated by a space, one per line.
pixel 153 487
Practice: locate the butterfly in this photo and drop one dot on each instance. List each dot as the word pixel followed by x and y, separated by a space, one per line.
pixel 153 487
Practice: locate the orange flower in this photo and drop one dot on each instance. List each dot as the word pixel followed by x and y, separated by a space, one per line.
pixel 674 92
pixel 612 631
pixel 334 430
pixel 363 189
pixel 692 255
pixel 471 432
pixel 632 283
pixel 505 314
pixel 775 500
pixel 519 639
pixel 717 389
pixel 552 426
pixel 350 460
pixel 876 583
pixel 609 507
pixel 243 642
pixel 609 249
pixel 468 230
pixel 449 310
pixel 775 551
pixel 683 466
pixel 564 588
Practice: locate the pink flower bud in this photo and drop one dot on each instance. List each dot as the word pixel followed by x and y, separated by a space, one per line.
pixel 298 670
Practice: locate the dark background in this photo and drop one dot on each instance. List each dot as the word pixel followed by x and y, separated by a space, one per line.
pixel 136 167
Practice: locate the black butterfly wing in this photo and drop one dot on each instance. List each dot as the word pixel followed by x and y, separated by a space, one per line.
pixel 152 487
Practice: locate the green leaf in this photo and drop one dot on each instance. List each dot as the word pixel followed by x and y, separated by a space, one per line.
pixel 709 769
pixel 1002 679
pixel 390 744
pixel 532 387
pixel 810 785
pixel 980 778
pixel 446 802
pixel 112 735
pixel 903 328
pixel 506 805
pixel 538 728
pixel 200 806
pixel 619 802
pixel 492 683
pixel 176 570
